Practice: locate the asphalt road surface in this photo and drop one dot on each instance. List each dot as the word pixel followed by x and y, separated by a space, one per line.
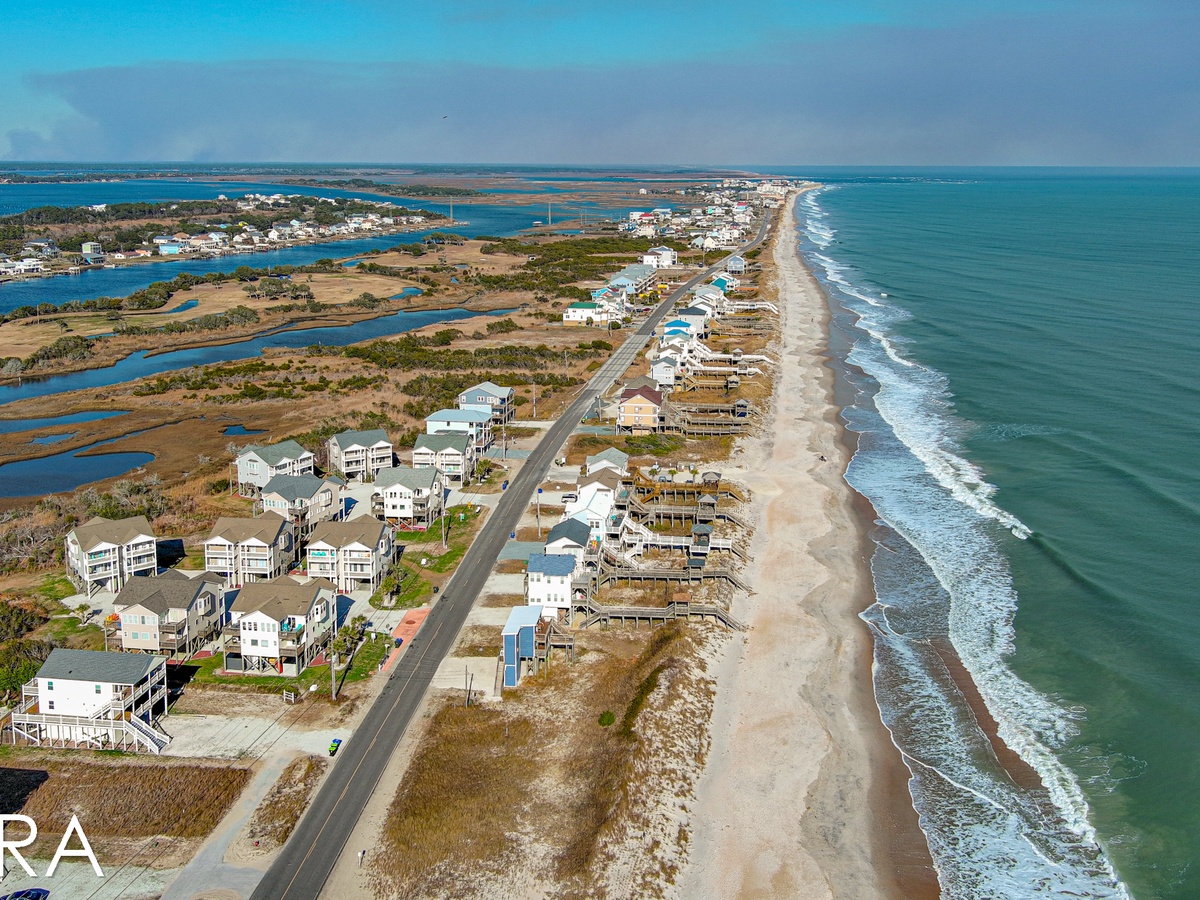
pixel 301 869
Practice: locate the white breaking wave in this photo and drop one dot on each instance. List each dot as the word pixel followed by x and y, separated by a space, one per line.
pixel 979 852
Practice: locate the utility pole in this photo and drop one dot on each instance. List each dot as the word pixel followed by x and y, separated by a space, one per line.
pixel 332 672
pixel 539 513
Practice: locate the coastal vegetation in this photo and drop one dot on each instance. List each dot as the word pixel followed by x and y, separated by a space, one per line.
pixel 390 190
pixel 552 268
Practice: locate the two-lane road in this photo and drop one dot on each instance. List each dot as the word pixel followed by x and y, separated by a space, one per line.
pixel 301 869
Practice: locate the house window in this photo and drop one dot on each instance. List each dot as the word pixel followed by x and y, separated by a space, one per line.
pixel 51 704
pixel 97 689
pixel 253 642
pixel 49 685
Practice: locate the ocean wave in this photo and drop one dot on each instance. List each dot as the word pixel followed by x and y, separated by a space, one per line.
pixel 988 837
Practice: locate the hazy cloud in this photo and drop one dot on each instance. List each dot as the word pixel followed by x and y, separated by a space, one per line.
pixel 1068 91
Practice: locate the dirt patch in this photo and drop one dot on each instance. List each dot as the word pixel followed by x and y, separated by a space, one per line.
pixel 276 817
pixel 479 640
pixel 506 567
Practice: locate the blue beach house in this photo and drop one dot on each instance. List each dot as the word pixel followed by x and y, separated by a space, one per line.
pixel 517 641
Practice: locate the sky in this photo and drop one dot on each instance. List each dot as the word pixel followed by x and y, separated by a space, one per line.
pixel 605 82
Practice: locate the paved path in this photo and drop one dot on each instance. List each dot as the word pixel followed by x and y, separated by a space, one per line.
pixel 303 866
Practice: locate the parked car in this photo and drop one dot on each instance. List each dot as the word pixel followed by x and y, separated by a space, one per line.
pixel 334 745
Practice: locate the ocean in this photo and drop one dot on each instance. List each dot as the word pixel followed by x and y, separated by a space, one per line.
pixel 1017 353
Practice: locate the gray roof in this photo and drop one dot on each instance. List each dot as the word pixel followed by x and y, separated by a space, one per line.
pixel 170 590
pixel 640 382
pixel 551 563
pixel 368 438
pixel 265 528
pixel 279 597
pixel 296 487
pixel 364 530
pixel 487 388
pixel 413 479
pixel 274 454
pixel 97 665
pixel 610 454
pixel 447 440
pixel 692 311
pixel 572 529
pixel 111 531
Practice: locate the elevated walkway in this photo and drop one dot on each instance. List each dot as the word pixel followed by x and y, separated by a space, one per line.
pixel 605 616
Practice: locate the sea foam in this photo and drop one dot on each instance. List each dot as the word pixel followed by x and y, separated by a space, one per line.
pixel 942 576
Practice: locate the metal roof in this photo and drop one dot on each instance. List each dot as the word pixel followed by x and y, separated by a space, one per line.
pixel 551 563
pixel 473 416
pixel 521 617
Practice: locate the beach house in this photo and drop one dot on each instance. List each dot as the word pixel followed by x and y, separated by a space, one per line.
pixel 585 312
pixel 594 502
pixel 279 626
pixel 571 537
pixel 453 455
pixel 247 550
pixel 641 412
pixel 171 613
pixel 548 583
pixel 635 278
pixel 498 402
pixel 258 465
pixel 353 555
pixel 663 370
pixel 660 258
pixel 413 498
pixel 95 701
pixel 304 500
pixel 610 458
pixel 360 454
pixel 103 554
pixel 475 424
pixel 697 319
pixel 516 643
pixel 736 265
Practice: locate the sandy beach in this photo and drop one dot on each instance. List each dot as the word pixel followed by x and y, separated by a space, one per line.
pixel 804 794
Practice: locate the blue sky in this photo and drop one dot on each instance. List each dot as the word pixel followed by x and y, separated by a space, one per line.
pixel 900 82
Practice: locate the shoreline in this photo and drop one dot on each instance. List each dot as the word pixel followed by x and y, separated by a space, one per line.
pixel 154 260
pixel 804 794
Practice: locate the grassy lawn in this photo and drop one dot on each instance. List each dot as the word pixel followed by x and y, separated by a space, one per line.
pixel 193 559
pixel 64 631
pixel 54 587
pixel 413 582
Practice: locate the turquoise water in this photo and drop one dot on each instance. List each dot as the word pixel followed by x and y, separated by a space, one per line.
pixel 1028 414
